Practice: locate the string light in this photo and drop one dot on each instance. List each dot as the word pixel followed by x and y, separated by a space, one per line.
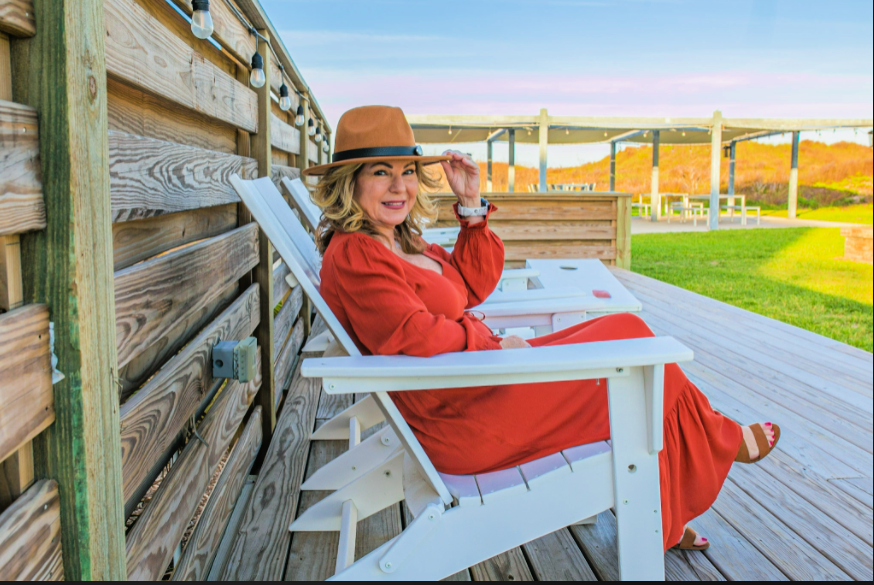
pixel 318 137
pixel 325 147
pixel 299 118
pixel 311 128
pixel 284 99
pixel 201 21
pixel 257 78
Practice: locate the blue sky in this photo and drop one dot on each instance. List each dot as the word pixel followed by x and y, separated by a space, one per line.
pixel 749 58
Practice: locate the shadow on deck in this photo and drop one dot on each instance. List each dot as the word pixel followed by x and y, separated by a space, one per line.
pixel 804 513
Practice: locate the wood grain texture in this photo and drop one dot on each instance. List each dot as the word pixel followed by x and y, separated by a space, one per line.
pixel 137 112
pixel 17 18
pixel 152 177
pixel 262 541
pixel 556 557
pixel 199 553
pixel 25 377
pixel 135 241
pixel 154 538
pixel 284 136
pixel 508 566
pixel 154 296
pixel 30 536
pixel 152 419
pixel 285 358
pixel 286 317
pixel 520 231
pixel 146 363
pixel 623 233
pixel 5 69
pixel 279 172
pixel 219 562
pixel 142 52
pixel 280 285
pixel 548 250
pixel 22 208
pixel 229 32
pixel 16 475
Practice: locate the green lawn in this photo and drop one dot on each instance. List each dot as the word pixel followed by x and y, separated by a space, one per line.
pixel 794 275
pixel 851 214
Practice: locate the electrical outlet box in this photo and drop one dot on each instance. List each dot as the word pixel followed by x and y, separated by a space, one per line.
pixel 235 360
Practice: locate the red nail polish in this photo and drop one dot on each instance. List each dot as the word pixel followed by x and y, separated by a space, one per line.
pixel 704 540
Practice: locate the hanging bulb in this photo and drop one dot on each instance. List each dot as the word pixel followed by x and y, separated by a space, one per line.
pixel 311 130
pixel 325 147
pixel 567 132
pixel 201 20
pixel 257 78
pixel 450 130
pixel 299 119
pixel 684 134
pixel 285 102
pixel 318 138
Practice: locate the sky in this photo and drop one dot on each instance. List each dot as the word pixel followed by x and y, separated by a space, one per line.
pixel 747 58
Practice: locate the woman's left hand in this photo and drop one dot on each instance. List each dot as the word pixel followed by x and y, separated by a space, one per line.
pixel 463 176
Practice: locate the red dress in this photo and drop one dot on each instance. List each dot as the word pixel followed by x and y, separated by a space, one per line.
pixel 392 307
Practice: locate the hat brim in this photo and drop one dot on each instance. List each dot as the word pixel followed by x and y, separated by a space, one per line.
pixel 425 160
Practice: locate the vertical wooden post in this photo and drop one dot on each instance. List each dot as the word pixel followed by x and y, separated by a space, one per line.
pixel 623 232
pixel 306 310
pixel 261 151
pixel 612 166
pixel 62 73
pixel 715 169
pixel 793 176
pixel 544 148
pixel 511 172
pixel 490 150
pixel 655 198
pixel 732 167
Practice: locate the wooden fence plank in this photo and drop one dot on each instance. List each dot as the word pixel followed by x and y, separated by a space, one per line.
pixel 284 136
pixel 154 538
pixel 135 241
pixel 22 208
pixel 285 357
pixel 17 18
pixel 278 172
pixel 144 53
pixel 218 564
pixel 547 250
pixel 519 231
pixel 508 566
pixel 30 536
pixel 26 401
pixel 260 550
pixel 288 314
pixel 555 557
pixel 144 365
pixel 280 285
pixel 197 558
pixel 152 297
pixel 152 419
pixel 152 177
pixel 229 31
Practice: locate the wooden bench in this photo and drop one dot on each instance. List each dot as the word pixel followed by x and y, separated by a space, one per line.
pixel 744 212
pixel 694 210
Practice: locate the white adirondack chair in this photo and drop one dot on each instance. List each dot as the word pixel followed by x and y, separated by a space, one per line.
pixel 461 521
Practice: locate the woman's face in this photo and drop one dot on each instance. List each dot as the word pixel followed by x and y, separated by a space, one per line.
pixel 386 191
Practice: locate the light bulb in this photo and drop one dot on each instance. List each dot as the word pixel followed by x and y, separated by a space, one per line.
pixel 257 78
pixel 568 132
pixel 318 138
pixel 311 130
pixel 201 20
pixel 285 102
pixel 325 147
pixel 299 119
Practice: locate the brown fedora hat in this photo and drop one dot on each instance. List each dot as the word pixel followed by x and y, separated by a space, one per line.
pixel 374 133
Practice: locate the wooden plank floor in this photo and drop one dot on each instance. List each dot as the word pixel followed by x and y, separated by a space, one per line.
pixel 804 513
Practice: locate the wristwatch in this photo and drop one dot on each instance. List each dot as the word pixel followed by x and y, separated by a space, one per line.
pixel 481 211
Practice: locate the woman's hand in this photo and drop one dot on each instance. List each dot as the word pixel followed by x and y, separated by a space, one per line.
pixel 514 342
pixel 463 176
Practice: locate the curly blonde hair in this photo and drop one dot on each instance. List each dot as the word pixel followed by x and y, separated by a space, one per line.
pixel 342 213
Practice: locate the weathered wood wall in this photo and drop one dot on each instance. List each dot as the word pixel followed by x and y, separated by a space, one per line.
pixel 557 225
pixel 187 268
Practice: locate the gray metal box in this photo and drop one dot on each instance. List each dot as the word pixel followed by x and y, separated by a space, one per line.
pixel 235 360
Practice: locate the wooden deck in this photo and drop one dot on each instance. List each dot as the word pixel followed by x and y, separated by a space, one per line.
pixel 804 513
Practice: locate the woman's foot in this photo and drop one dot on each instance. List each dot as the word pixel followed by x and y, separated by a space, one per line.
pixel 692 541
pixel 758 442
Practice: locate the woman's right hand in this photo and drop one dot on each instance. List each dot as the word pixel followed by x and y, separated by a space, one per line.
pixel 514 342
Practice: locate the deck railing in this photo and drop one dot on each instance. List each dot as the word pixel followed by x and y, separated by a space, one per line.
pixel 119 226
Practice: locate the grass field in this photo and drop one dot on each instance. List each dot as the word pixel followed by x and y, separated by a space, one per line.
pixel 851 214
pixel 797 276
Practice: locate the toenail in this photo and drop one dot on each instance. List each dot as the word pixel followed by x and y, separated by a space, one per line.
pixel 704 539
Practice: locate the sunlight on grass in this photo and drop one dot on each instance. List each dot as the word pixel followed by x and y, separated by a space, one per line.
pixel 852 214
pixel 797 276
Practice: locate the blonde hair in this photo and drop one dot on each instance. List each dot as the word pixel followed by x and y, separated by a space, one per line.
pixel 342 213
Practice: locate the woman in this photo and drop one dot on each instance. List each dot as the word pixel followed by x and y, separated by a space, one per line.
pixel 397 296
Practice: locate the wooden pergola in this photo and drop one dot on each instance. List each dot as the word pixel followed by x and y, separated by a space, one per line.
pixel 719 132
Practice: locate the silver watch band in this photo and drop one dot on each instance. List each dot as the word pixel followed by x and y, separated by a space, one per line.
pixel 481 211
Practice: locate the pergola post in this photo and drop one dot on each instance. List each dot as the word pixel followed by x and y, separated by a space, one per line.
pixel 489 149
pixel 732 166
pixel 511 172
pixel 612 166
pixel 655 199
pixel 793 177
pixel 544 147
pixel 715 169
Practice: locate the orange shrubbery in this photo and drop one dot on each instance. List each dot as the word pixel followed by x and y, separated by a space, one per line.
pixel 828 174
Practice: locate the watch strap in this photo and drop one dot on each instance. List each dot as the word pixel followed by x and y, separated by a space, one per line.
pixel 481 211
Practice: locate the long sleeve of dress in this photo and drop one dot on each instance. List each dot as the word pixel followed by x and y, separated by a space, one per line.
pixel 385 313
pixel 478 256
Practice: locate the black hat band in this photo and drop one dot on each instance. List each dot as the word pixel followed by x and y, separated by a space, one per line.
pixel 377 152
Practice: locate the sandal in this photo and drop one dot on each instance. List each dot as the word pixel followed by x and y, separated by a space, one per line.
pixel 743 454
pixel 688 541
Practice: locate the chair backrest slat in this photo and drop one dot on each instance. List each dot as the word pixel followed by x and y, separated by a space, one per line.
pixel 310 212
pixel 294 245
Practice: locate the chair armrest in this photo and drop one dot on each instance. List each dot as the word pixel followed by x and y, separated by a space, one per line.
pixel 526 273
pixel 548 306
pixel 606 359
pixel 534 295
